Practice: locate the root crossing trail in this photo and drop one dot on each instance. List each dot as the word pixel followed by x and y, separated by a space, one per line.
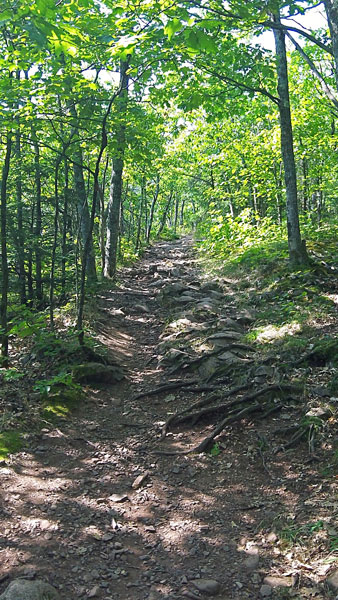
pixel 91 508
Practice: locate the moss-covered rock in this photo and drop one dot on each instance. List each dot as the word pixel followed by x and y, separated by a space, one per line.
pixel 10 442
pixel 325 351
pixel 93 372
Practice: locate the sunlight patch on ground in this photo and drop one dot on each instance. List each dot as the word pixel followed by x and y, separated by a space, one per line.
pixel 271 333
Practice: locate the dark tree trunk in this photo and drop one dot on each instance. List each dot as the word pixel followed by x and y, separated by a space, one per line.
pixel 82 200
pixel 140 216
pixel 103 215
pixel 38 222
pixel 331 8
pixel 55 240
pixel 152 207
pixel 20 230
pixel 177 204
pixel 115 197
pixel 65 219
pixel 4 263
pixel 297 250
pixel 165 213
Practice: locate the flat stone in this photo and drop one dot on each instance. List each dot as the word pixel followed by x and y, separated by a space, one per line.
pixel 211 587
pixel 265 591
pixel 251 563
pixel 332 581
pixel 139 480
pixel 23 589
pixel 276 582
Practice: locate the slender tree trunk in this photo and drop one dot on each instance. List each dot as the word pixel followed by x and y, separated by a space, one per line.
pixel 182 213
pixel 30 286
pixel 139 224
pixel 297 249
pixel 152 207
pixel 103 215
pixel 165 213
pixel 82 200
pixel 115 198
pixel 20 230
pixel 4 263
pixel 177 204
pixel 65 218
pixel 55 240
pixel 38 222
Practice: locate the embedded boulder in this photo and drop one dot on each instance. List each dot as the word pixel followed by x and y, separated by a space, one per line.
pixel 93 372
pixel 24 589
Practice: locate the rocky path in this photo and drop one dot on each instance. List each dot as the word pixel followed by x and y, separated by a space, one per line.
pixel 93 509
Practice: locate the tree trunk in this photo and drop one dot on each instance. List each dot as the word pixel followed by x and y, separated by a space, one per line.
pixel 55 240
pixel 20 231
pixel 331 8
pixel 82 200
pixel 152 208
pixel 115 197
pixel 38 222
pixel 65 219
pixel 4 263
pixel 297 250
pixel 139 224
pixel 165 213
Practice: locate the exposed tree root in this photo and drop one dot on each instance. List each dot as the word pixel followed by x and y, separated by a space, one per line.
pixel 235 415
pixel 184 416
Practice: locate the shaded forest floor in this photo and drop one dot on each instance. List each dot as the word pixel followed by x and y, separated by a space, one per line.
pixel 101 507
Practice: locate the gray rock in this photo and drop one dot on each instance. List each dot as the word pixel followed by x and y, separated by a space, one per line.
pixel 332 581
pixel 251 563
pixel 211 587
pixel 143 308
pixel 276 582
pixel 265 591
pixel 208 368
pixel 93 372
pixel 23 589
pixel 184 299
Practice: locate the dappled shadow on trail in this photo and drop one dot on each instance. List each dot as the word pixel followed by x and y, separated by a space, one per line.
pixel 73 515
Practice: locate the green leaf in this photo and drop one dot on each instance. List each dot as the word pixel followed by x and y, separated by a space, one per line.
pixel 172 27
pixel 5 16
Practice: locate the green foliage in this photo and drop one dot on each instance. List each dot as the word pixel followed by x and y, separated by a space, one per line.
pixel 246 238
pixel 10 442
pixel 12 374
pixel 215 450
pixel 26 323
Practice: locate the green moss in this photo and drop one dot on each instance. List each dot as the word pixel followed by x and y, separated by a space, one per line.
pixel 60 402
pixel 326 350
pixel 10 442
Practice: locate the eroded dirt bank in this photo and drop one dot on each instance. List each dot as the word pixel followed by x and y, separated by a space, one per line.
pixel 93 509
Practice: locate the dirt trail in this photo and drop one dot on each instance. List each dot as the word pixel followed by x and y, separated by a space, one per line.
pixel 71 515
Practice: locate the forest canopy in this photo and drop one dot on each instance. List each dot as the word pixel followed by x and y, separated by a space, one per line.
pixel 124 122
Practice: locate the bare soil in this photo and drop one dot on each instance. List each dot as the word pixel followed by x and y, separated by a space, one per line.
pixel 73 514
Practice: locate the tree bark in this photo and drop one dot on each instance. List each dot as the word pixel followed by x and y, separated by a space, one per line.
pixel 115 197
pixel 38 222
pixel 20 242
pixel 4 263
pixel 82 200
pixel 331 8
pixel 152 207
pixel 297 249
pixel 165 213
